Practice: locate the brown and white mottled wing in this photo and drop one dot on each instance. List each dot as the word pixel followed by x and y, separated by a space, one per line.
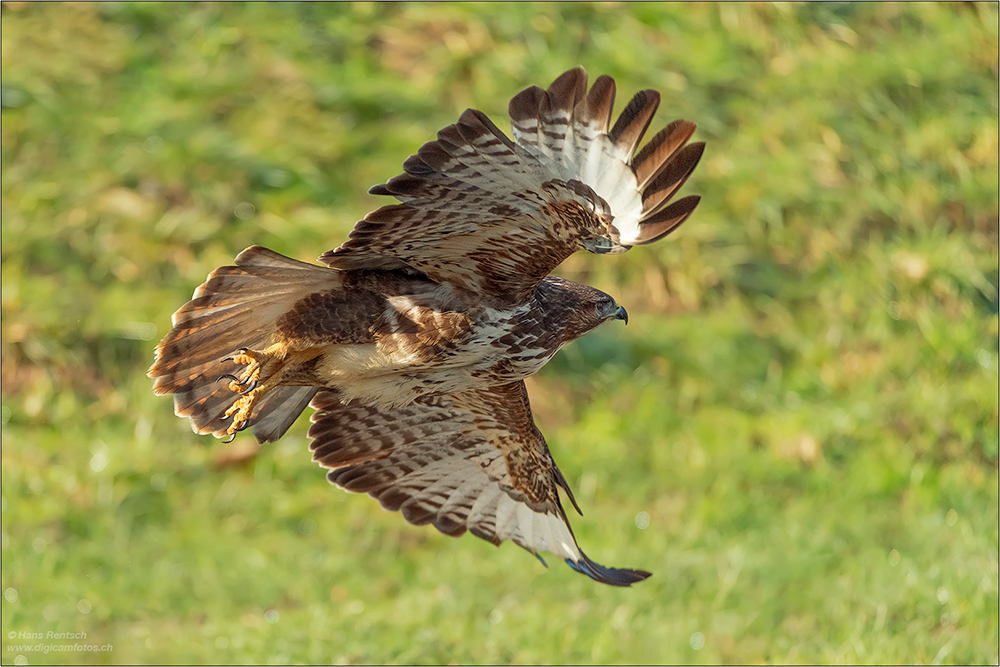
pixel 495 215
pixel 574 139
pixel 472 461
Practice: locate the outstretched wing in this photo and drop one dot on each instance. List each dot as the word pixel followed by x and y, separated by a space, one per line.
pixel 494 216
pixel 472 461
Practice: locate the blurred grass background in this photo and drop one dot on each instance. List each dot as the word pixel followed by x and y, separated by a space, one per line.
pixel 802 413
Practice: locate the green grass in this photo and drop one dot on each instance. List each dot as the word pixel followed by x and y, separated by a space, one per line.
pixel 804 403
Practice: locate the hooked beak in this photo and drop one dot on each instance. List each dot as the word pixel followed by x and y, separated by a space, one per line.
pixel 621 314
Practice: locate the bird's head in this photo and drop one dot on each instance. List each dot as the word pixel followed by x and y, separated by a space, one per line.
pixel 608 309
pixel 576 309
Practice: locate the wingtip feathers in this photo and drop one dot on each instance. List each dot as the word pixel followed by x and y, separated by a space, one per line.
pixel 634 120
pixel 612 576
pixel 666 220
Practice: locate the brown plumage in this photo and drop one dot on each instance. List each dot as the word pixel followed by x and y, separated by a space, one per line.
pixel 412 344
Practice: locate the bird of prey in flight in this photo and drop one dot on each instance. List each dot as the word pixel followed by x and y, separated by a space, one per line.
pixel 413 339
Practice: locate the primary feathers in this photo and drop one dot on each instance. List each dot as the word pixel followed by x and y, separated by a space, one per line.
pixel 412 344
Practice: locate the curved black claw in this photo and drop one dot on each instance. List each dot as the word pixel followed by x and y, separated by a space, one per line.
pixel 239 382
pixel 239 351
pixel 233 435
pixel 253 385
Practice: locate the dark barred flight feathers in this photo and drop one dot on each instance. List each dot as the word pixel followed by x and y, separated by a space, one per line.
pixel 413 342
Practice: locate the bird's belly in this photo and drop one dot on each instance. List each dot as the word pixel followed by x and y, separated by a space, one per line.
pixel 388 379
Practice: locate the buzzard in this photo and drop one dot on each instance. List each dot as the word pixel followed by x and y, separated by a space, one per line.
pixel 412 343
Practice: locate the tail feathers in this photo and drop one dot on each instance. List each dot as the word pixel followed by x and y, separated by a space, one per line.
pixel 205 404
pixel 237 306
pixel 278 410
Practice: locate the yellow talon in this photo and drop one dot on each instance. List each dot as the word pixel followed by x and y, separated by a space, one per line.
pixel 264 371
pixel 242 409
pixel 246 385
